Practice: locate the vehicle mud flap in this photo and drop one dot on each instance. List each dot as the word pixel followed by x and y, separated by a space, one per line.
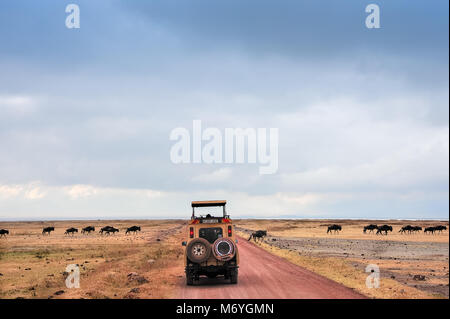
pixel 234 276
pixel 198 250
pixel 189 279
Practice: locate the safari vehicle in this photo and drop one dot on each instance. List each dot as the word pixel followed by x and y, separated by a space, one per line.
pixel 211 248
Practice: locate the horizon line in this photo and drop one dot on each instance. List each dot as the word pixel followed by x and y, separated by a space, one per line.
pixel 188 218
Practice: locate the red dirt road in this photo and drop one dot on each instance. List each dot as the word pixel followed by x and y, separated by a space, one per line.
pixel 263 275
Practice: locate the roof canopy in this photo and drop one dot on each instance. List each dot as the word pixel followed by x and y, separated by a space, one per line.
pixel 209 203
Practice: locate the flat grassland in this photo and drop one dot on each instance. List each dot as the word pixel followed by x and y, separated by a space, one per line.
pixel 145 265
pixel 401 258
pixel 149 264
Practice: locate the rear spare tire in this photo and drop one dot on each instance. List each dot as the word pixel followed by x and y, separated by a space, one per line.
pixel 224 249
pixel 198 250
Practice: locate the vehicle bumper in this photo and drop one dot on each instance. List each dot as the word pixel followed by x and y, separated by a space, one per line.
pixel 197 269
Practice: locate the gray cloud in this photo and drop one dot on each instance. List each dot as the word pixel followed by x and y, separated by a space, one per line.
pixel 363 117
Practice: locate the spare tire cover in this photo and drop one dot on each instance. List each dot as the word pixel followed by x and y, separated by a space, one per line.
pixel 224 249
pixel 198 250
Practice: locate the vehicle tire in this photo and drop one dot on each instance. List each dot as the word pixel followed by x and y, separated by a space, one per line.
pixel 189 279
pixel 198 250
pixel 224 249
pixel 234 276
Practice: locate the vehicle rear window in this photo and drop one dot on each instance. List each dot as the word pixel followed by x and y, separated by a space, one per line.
pixel 210 234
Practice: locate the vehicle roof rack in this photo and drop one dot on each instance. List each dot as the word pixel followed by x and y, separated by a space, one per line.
pixel 209 203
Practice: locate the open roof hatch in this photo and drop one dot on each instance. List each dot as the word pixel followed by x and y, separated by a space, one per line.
pixel 209 203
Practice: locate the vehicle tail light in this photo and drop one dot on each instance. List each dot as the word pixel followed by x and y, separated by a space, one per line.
pixel 229 231
pixel 191 232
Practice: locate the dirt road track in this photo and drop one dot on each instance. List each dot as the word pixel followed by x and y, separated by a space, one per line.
pixel 263 275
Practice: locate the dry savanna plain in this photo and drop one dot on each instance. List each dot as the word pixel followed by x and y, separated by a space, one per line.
pixel 149 264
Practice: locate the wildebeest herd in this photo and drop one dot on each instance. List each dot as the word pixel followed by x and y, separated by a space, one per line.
pixel 380 230
pixel 439 229
pixel 107 230
pixel 408 229
pixel 384 229
pixel 258 235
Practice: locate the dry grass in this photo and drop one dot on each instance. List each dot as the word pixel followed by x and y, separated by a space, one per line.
pixel 397 274
pixel 33 266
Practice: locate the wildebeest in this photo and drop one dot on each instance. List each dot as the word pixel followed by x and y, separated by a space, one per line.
pixel 87 229
pixel 433 229
pixel 440 228
pixel 259 234
pixel 370 228
pixel 4 232
pixel 385 229
pixel 47 230
pixel 407 228
pixel 416 229
pixel 410 229
pixel 334 227
pixel 108 230
pixel 133 229
pixel 71 231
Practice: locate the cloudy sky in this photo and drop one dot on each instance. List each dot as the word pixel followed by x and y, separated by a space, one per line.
pixel 86 114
